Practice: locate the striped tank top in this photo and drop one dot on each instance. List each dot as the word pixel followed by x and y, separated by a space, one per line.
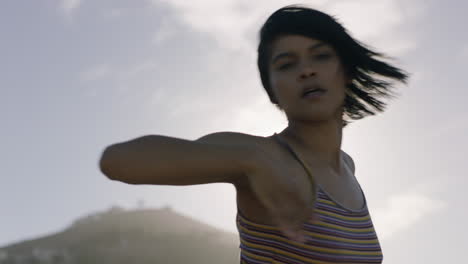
pixel 341 236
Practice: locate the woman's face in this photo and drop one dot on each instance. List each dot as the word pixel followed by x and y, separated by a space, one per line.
pixel 300 63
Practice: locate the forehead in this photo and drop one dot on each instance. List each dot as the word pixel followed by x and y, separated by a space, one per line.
pixel 292 42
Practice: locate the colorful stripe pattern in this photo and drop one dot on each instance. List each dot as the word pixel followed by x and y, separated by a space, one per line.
pixel 341 236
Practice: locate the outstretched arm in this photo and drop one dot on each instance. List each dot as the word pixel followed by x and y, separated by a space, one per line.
pixel 162 160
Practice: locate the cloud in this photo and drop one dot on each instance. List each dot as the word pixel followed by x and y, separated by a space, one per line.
pixel 114 12
pixel 380 22
pixel 380 16
pixel 68 6
pixel 234 23
pixel 95 72
pixel 123 78
pixel 257 118
pixel 165 31
pixel 403 211
pixel 229 21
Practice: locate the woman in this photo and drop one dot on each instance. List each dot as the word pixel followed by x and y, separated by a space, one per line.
pixel 298 200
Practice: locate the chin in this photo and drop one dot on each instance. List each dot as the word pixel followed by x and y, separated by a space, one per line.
pixel 319 115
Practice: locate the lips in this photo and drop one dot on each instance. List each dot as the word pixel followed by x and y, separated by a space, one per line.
pixel 310 89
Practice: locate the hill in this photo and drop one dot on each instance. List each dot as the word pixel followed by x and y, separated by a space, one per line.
pixel 120 236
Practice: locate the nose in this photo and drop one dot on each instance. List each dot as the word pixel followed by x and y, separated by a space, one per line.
pixel 307 72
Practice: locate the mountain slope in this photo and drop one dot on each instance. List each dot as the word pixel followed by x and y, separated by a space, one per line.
pixel 137 236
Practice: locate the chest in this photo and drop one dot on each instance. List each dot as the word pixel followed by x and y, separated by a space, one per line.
pixel 342 189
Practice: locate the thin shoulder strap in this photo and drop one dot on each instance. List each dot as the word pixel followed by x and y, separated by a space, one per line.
pixel 296 156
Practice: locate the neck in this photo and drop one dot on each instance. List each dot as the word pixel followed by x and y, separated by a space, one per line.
pixel 320 142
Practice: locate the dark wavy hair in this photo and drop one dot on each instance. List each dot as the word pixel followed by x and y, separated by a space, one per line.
pixel 368 73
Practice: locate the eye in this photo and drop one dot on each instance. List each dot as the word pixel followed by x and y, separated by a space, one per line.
pixel 323 56
pixel 285 66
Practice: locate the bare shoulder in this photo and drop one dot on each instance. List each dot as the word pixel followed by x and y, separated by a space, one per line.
pixel 246 198
pixel 231 138
pixel 349 161
pixel 228 138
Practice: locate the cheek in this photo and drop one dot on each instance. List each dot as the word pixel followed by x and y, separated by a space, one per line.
pixel 279 84
pixel 337 77
pixel 277 78
pixel 273 85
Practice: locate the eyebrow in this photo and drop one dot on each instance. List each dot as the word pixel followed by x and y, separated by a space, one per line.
pixel 288 54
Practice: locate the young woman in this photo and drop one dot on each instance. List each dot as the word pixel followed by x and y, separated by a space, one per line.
pixel 298 199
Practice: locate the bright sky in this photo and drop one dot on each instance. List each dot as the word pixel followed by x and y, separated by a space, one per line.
pixel 79 75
